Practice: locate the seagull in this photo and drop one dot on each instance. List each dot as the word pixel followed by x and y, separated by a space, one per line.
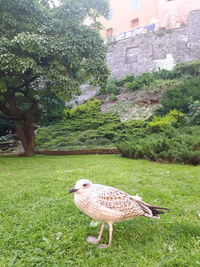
pixel 107 204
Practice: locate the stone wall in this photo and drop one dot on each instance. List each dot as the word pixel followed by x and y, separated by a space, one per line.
pixel 151 51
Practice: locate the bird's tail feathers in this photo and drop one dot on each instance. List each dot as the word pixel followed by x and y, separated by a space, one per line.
pixel 150 211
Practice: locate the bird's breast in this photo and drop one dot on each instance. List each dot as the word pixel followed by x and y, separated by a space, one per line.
pixel 88 206
pixel 81 202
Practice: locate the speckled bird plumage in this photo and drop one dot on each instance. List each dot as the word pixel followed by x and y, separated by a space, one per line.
pixel 107 204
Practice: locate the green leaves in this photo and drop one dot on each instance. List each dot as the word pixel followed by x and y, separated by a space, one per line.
pixel 50 48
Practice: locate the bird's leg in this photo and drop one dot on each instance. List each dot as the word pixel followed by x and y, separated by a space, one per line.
pixel 94 240
pixel 110 238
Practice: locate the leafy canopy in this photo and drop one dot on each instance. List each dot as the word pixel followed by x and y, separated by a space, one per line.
pixel 43 48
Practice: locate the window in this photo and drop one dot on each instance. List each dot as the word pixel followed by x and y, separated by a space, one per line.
pixel 134 22
pixel 135 5
pixel 132 54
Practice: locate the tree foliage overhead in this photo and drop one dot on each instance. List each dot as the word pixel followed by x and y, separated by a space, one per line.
pixel 43 48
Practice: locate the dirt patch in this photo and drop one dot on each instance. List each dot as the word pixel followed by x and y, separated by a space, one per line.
pixel 134 105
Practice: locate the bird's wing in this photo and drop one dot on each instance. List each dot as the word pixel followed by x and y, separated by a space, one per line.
pixel 117 200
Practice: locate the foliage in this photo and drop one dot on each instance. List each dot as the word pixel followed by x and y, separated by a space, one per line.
pixel 193 116
pixel 51 49
pixel 86 126
pixel 181 96
pixel 112 98
pixel 173 118
pixel 5 127
pixel 170 145
pixel 48 229
pixel 111 88
pixel 141 82
pixel 6 138
pixel 160 79
pixel 191 68
pixel 79 128
pixel 90 108
pixel 128 78
pixel 51 108
pixel 164 74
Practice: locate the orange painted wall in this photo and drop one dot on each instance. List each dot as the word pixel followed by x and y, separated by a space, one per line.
pixel 122 14
pixel 173 13
pixel 169 14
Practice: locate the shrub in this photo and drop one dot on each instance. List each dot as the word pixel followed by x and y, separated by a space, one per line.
pixel 85 110
pixel 191 68
pixel 112 88
pixel 128 78
pixel 178 147
pixel 141 82
pixel 173 118
pixel 180 97
pixel 193 116
pixel 78 129
pixel 132 86
pixel 112 98
pixel 164 74
pixel 95 129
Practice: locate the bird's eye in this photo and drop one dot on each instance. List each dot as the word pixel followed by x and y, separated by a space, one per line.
pixel 84 185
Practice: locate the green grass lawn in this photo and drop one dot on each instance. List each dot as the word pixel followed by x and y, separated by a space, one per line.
pixel 41 226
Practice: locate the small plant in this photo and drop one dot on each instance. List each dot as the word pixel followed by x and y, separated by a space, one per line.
pixel 132 86
pixel 112 88
pixel 142 82
pixel 112 98
pixel 128 78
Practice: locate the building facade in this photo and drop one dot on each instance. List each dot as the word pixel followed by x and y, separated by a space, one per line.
pixel 130 17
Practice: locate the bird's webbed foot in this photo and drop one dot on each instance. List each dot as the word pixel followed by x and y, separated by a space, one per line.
pixel 92 240
pixel 103 246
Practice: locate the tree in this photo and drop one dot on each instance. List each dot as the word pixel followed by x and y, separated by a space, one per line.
pixel 43 48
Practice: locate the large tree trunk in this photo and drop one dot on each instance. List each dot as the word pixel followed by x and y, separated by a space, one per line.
pixel 26 134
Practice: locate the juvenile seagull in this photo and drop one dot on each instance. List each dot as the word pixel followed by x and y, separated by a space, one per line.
pixel 107 204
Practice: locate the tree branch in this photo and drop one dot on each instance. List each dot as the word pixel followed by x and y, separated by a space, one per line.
pixel 26 82
pixel 11 118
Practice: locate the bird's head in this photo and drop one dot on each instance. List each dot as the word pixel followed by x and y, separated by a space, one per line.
pixel 81 185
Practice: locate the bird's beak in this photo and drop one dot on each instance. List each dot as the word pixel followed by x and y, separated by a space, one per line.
pixel 72 190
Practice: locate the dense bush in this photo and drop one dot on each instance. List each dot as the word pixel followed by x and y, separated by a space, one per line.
pixel 193 116
pixel 112 88
pixel 141 82
pixel 127 78
pixel 164 74
pixel 173 118
pixel 173 145
pixel 191 68
pixel 78 129
pixel 160 79
pixel 180 97
pixel 85 110
pixel 86 126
